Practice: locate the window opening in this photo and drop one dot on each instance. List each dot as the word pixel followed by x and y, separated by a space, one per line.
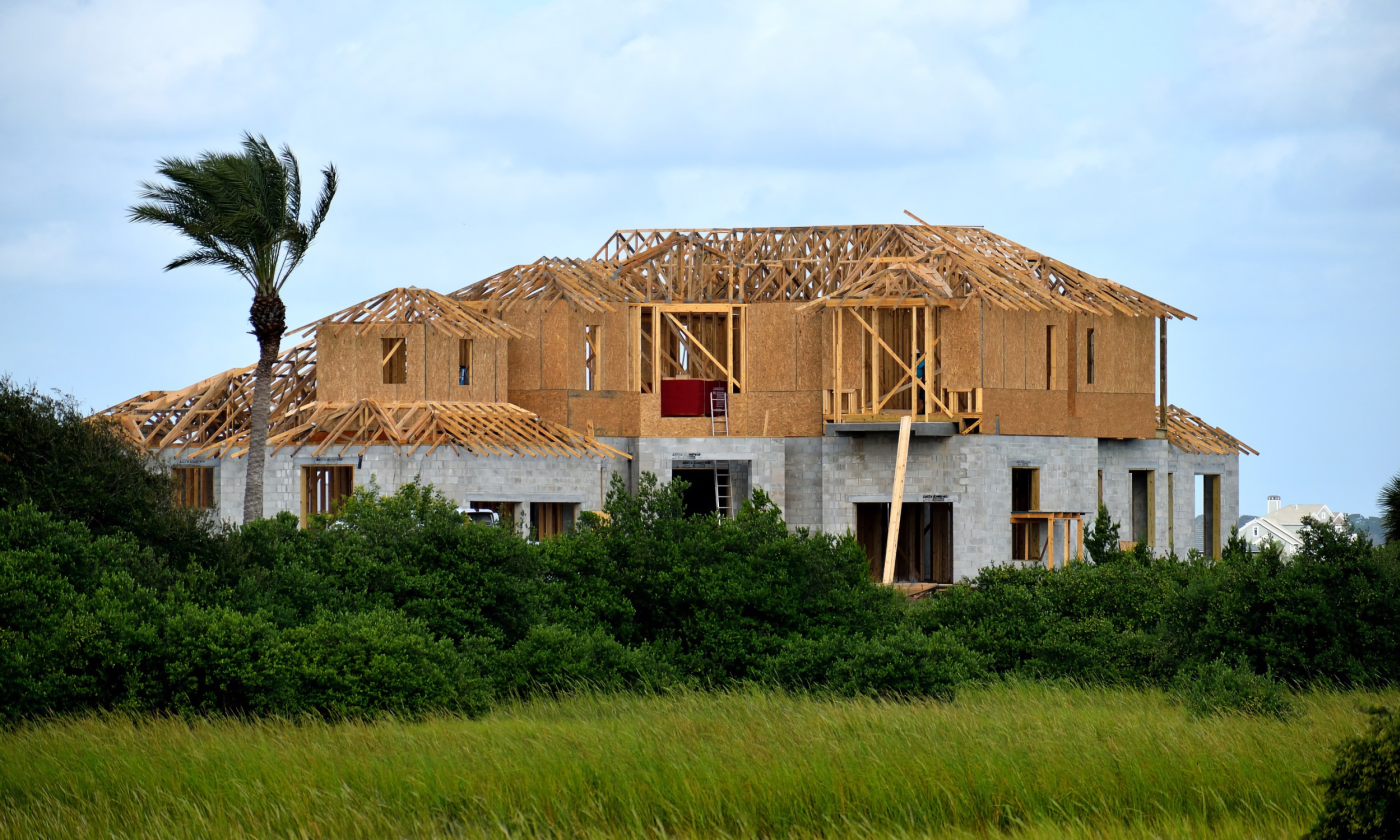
pixel 924 550
pixel 1100 488
pixel 1144 506
pixel 1025 496
pixel 590 357
pixel 324 488
pixel 1210 515
pixel 1089 345
pixel 194 486
pixel 464 361
pixel 551 519
pixel 1050 357
pixel 395 363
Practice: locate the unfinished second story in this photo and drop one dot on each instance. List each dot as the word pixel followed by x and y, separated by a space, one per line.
pixel 799 328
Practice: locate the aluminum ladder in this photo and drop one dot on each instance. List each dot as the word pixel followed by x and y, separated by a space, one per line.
pixel 719 413
pixel 724 496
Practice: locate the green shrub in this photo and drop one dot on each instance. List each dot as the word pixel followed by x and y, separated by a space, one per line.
pixel 556 659
pixel 362 664
pixel 1361 798
pixel 1212 688
pixel 904 662
pixel 84 469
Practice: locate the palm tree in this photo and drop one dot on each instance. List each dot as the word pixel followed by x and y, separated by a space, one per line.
pixel 1390 509
pixel 243 212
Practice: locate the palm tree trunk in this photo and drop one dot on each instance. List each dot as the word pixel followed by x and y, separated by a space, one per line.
pixel 269 318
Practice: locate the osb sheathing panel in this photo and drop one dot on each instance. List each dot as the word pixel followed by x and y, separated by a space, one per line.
pixel 852 352
pixel 551 405
pixel 772 344
pixel 1032 412
pixel 613 413
pixel 789 414
pixel 525 352
pixel 558 354
pixel 959 342
pixel 811 340
pixel 614 362
pixel 348 365
pixel 993 346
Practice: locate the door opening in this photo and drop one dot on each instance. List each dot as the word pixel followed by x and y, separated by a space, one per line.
pixel 924 551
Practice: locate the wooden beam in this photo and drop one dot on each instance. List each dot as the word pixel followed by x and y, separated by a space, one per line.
pixel 901 460
pixel 1162 366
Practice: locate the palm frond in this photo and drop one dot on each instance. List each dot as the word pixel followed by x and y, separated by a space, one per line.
pixel 1389 502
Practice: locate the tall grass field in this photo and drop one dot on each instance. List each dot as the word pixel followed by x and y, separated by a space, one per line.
pixel 1024 760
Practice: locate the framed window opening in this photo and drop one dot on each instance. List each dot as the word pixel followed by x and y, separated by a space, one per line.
pixel 1050 357
pixel 1210 514
pixel 323 488
pixel 1144 506
pixel 395 360
pixel 551 519
pixel 465 352
pixel 689 341
pixel 1025 497
pixel 194 487
pixel 1089 357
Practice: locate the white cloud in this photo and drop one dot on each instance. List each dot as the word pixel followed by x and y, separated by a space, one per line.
pixel 122 62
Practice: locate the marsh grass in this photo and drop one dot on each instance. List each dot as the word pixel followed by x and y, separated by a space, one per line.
pixel 1033 760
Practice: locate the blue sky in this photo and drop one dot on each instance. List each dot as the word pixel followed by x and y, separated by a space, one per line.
pixel 1236 158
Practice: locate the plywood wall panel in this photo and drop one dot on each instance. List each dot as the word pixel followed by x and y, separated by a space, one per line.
pixel 787 413
pixel 772 343
pixel 560 354
pixel 960 341
pixel 811 343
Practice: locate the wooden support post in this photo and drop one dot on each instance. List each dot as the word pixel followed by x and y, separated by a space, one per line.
pixel 1162 366
pixel 1073 361
pixel 928 361
pixel 874 360
pixel 1050 543
pixel 1064 555
pixel 1079 539
pixel 901 458
pixel 840 359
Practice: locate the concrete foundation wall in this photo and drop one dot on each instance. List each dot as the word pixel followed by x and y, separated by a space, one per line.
pixel 816 482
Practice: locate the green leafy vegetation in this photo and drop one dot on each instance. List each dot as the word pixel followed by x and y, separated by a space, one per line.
pixel 400 607
pixel 1362 799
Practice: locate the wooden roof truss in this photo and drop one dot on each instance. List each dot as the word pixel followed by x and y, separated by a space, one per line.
pixel 934 263
pixel 590 285
pixel 210 417
pixel 1190 433
pixel 412 305
pixel 471 428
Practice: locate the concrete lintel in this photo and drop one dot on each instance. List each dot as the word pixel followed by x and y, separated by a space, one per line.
pixel 920 429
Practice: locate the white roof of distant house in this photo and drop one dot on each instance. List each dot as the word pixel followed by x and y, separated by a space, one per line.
pixel 1291 516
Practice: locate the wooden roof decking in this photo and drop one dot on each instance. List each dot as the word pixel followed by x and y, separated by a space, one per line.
pixel 1190 433
pixel 412 305
pixel 477 428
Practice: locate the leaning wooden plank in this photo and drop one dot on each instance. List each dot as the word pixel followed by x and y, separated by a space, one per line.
pixel 901 459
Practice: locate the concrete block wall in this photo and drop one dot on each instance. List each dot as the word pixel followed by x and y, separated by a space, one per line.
pixel 971 472
pixel 765 454
pixel 803 476
pixel 815 481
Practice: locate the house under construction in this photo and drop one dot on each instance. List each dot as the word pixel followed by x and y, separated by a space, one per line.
pixel 998 394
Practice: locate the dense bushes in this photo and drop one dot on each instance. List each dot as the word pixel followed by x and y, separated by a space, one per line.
pixel 399 606
pixel 1361 799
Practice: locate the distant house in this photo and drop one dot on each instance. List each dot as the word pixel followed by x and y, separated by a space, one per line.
pixel 1282 524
